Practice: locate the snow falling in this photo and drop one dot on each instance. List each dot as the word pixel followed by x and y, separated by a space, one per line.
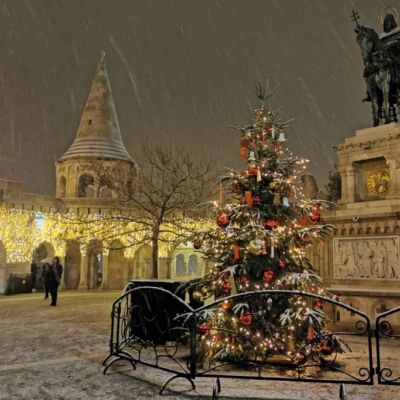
pixel 180 71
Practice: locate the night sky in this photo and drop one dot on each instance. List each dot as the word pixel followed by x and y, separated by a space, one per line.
pixel 180 71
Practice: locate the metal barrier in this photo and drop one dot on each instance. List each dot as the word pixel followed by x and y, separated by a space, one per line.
pixel 388 368
pixel 143 332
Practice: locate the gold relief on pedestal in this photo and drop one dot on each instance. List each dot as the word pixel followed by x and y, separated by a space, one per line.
pixel 378 183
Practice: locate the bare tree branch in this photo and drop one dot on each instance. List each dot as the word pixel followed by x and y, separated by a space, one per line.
pixel 170 185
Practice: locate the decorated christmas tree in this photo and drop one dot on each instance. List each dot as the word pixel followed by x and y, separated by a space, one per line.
pixel 260 243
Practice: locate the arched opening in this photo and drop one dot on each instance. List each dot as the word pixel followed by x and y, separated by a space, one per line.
pixel 193 265
pixel 44 253
pixel 62 187
pixel 185 262
pixel 180 268
pixel 117 266
pixel 86 186
pixel 72 265
pixel 95 264
pixel 142 262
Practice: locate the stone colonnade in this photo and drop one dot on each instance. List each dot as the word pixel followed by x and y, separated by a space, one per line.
pixel 120 268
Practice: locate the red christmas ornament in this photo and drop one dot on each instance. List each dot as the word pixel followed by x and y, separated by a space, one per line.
pixel 318 304
pixel 252 171
pixel 325 349
pixel 271 223
pixel 282 263
pixel 246 318
pixel 197 244
pixel 256 199
pixel 226 286
pixel 314 216
pixel 204 328
pixel 222 220
pixel 244 280
pixel 268 276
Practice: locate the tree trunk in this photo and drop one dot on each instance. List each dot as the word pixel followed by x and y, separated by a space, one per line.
pixel 154 253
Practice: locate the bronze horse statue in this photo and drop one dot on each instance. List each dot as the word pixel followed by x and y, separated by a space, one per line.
pixel 378 75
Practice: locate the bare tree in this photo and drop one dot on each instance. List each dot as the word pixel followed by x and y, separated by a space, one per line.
pixel 171 183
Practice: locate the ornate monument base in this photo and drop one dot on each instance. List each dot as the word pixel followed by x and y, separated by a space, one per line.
pixel 361 263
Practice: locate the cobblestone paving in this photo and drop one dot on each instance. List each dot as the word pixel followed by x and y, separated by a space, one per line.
pixel 56 353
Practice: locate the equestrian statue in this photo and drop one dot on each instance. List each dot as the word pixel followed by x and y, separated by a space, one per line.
pixel 381 58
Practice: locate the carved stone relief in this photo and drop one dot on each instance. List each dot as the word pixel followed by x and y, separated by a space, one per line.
pixel 368 257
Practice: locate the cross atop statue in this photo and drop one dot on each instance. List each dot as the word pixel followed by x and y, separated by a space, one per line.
pixel 381 59
pixel 355 17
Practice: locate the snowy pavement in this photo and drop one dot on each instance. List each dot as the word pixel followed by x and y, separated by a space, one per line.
pixel 56 353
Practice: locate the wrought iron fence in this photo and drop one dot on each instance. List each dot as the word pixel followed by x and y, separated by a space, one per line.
pixel 155 327
pixel 388 366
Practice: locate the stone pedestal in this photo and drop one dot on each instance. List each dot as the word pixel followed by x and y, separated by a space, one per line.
pixel 361 263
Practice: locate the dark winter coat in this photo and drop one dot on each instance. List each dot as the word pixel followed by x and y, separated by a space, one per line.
pixel 51 276
pixel 59 269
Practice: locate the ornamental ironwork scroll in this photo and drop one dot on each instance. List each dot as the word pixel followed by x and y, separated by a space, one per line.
pixel 388 338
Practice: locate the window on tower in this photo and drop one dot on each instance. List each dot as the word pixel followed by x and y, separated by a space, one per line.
pixel 86 186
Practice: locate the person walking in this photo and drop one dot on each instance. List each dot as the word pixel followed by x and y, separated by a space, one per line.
pixel 58 267
pixel 51 278
pixel 54 275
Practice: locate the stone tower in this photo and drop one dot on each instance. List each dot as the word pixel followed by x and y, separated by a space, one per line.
pixel 98 143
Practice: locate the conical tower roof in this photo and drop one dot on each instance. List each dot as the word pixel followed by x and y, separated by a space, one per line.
pixel 98 134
